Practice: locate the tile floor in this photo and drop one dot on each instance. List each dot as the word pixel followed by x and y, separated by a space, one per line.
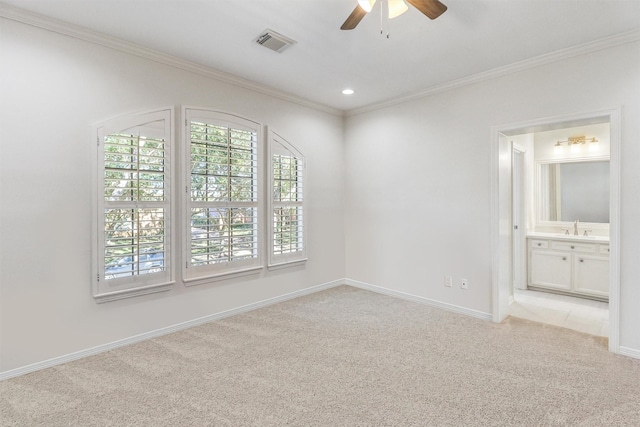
pixel 580 314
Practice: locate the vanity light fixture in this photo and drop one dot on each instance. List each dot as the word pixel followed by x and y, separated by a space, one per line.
pixel 575 142
pixel 557 148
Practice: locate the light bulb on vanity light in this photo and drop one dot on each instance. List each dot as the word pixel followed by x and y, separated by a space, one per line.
pixel 558 148
pixel 575 148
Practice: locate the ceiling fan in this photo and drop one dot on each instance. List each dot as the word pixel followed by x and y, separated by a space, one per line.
pixel 431 8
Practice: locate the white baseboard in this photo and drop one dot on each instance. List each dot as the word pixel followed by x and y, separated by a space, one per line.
pixel 164 331
pixel 630 352
pixel 419 299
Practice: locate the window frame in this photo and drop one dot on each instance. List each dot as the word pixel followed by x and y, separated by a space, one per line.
pixel 277 144
pixel 194 275
pixel 104 289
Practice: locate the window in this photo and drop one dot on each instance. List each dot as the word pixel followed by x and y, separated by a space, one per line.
pixel 133 206
pixel 286 204
pixel 222 227
pixel 223 210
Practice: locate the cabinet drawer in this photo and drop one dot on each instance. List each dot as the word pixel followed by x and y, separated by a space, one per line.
pixel 604 249
pixel 573 246
pixel 542 244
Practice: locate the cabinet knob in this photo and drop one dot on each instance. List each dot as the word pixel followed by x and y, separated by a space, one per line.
pixel 539 244
pixel 564 258
pixel 573 247
pixel 581 260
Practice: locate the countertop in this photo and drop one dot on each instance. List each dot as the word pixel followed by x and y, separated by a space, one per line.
pixel 570 237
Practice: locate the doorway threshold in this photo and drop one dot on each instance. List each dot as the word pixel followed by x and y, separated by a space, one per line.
pixel 579 314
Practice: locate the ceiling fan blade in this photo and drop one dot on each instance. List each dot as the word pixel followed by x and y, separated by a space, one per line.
pixel 431 8
pixel 354 19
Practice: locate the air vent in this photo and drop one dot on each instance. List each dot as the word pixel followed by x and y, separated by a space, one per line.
pixel 274 41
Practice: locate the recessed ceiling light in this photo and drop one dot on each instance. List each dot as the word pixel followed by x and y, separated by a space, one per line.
pixel 348 92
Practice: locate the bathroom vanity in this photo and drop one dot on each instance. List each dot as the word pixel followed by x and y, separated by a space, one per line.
pixel 575 265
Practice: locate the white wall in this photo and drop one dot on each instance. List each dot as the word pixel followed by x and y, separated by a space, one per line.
pixel 52 88
pixel 418 177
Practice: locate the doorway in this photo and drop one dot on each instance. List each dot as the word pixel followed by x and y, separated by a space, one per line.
pixel 507 221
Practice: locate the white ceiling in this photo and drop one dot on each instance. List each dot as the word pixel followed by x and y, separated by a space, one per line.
pixel 473 36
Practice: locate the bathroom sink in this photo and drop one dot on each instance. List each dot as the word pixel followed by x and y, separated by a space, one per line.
pixel 571 236
pixel 552 235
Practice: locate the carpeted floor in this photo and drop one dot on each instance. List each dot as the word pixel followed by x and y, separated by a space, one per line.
pixel 342 357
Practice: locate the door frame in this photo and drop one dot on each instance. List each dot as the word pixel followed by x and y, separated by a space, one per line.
pixel 501 227
pixel 519 206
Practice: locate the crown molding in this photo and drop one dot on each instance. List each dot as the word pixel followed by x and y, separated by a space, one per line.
pixel 563 54
pixel 81 33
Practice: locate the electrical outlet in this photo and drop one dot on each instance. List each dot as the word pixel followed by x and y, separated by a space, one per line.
pixel 464 284
pixel 448 281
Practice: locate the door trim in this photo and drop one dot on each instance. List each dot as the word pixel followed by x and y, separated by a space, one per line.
pixel 519 274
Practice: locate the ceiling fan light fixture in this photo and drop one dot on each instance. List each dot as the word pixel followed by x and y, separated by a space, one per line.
pixel 367 5
pixel 397 8
pixel 430 8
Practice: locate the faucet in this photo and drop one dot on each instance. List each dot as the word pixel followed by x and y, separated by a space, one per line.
pixel 575 227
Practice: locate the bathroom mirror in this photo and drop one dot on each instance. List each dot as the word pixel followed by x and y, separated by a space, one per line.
pixel 576 190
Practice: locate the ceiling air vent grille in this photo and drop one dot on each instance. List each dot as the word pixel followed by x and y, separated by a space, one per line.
pixel 274 41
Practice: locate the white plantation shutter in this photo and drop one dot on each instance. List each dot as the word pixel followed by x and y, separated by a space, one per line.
pixel 286 203
pixel 222 194
pixel 133 206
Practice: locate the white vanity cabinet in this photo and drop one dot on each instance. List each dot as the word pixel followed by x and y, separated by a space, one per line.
pixel 569 264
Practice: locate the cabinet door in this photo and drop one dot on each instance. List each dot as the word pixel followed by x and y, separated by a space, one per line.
pixel 591 275
pixel 551 269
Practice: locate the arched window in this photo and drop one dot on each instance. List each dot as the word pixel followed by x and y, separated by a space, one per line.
pixel 133 206
pixel 286 203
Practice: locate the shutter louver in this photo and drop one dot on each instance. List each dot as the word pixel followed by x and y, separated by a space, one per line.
pixel 134 206
pixel 134 176
pixel 223 197
pixel 286 203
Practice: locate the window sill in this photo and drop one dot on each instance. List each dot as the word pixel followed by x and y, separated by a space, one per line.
pixel 129 293
pixel 287 264
pixel 193 281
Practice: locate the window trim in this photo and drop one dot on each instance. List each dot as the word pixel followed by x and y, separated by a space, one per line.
pixel 279 261
pixel 106 290
pixel 194 275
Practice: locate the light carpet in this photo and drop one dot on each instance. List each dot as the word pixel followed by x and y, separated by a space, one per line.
pixel 341 357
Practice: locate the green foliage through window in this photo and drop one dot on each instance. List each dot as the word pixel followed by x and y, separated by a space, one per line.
pixel 287 201
pixel 223 193
pixel 134 183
